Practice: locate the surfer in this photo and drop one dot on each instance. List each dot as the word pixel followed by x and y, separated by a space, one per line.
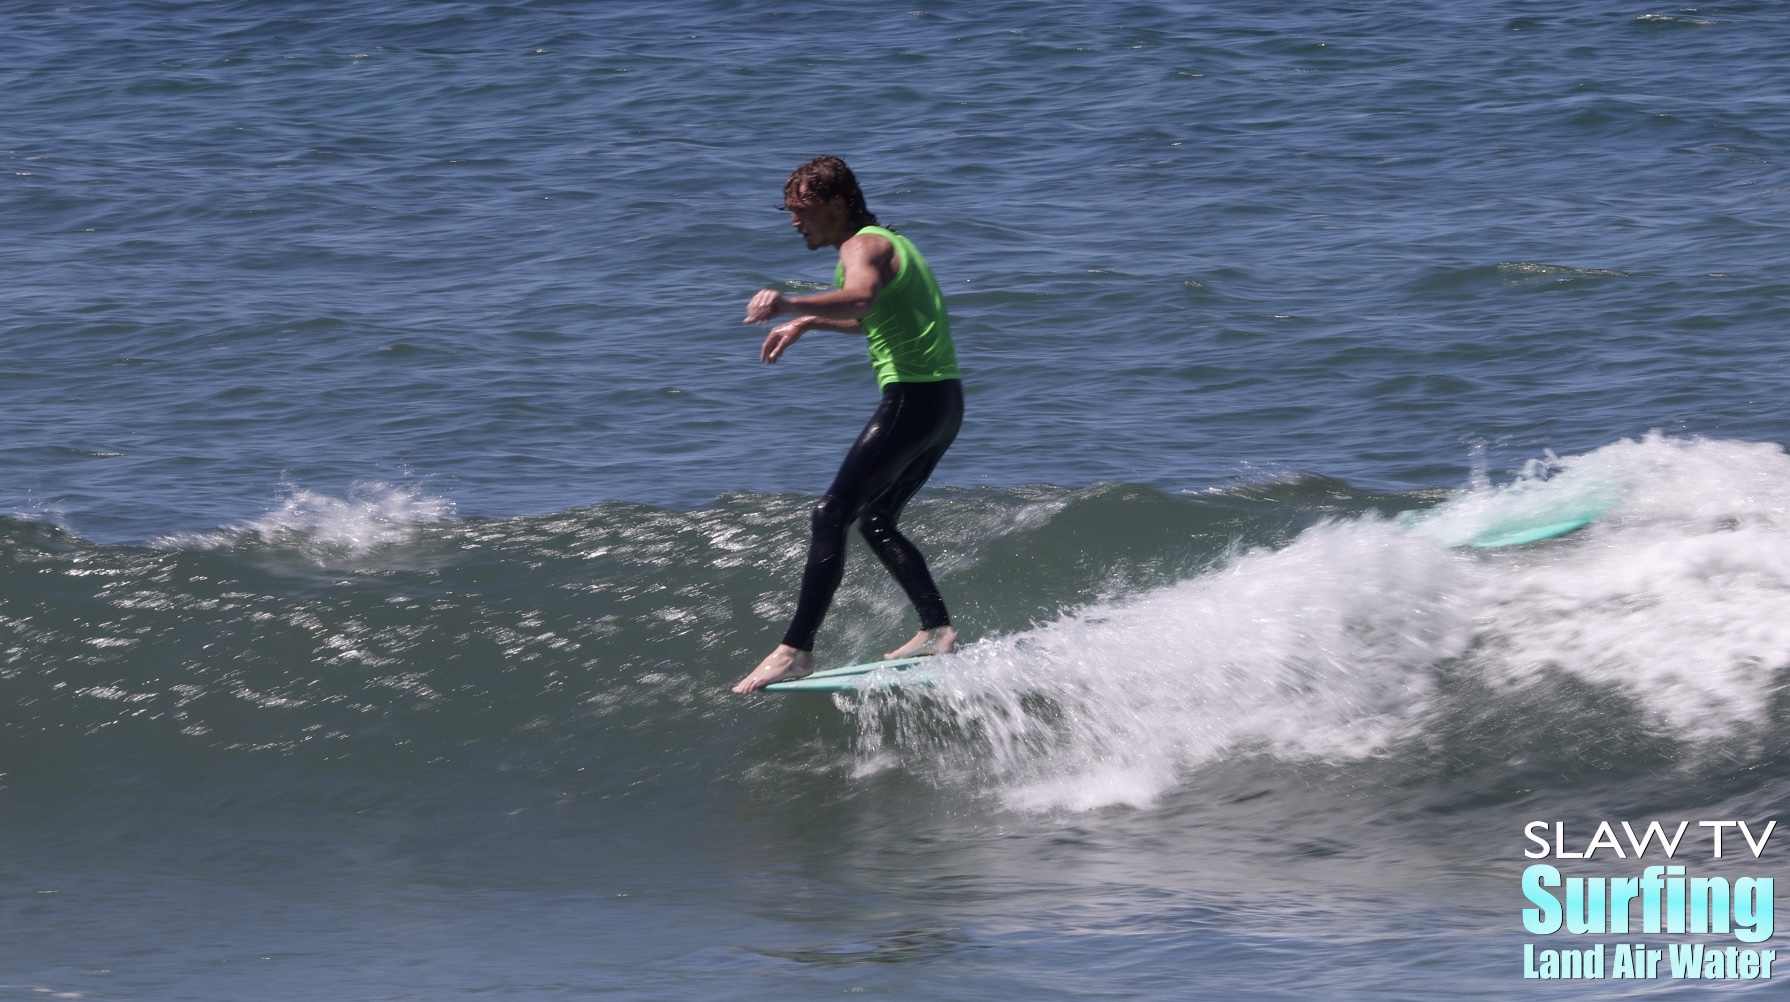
pixel 886 293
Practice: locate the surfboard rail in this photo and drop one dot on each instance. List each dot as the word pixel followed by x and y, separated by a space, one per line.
pixel 850 677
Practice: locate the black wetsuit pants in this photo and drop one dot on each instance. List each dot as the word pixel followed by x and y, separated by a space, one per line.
pixel 891 459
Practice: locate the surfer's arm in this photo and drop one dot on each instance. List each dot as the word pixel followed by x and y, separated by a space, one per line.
pixel 869 264
pixel 823 324
pixel 784 335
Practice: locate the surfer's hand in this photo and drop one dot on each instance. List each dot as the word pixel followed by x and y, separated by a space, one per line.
pixel 781 337
pixel 765 305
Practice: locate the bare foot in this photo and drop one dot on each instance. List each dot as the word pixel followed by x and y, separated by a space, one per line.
pixel 785 662
pixel 939 640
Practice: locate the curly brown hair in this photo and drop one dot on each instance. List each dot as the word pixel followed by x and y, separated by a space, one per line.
pixel 825 178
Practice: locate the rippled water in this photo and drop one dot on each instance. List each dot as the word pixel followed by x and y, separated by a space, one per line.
pixel 393 490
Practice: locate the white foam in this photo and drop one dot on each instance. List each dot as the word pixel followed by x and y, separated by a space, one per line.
pixel 1679 594
pixel 327 528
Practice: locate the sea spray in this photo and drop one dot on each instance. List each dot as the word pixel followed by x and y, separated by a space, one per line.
pixel 1673 605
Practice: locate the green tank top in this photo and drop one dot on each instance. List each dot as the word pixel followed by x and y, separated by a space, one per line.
pixel 907 331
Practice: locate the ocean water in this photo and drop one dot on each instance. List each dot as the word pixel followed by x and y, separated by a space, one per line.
pixel 389 493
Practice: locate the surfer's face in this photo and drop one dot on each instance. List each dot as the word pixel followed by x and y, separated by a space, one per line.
pixel 819 223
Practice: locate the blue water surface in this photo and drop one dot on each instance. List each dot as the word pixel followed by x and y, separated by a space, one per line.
pixel 504 250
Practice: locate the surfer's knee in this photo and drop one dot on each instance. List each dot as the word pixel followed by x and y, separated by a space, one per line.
pixel 830 515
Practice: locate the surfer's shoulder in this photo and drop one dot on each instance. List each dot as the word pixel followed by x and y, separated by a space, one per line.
pixel 870 249
pixel 869 242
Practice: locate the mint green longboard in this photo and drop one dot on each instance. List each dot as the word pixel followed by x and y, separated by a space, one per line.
pixel 1506 536
pixel 900 672
pixel 1529 521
